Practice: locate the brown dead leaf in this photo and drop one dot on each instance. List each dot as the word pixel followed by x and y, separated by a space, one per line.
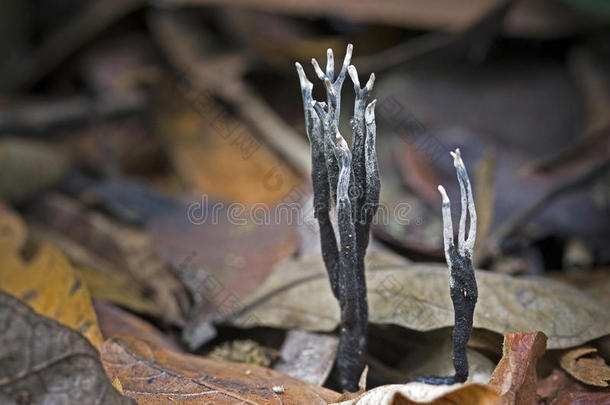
pixel 93 240
pixel 43 362
pixel 157 376
pixel 515 376
pixel 217 154
pixel 592 371
pixel 419 393
pixel 47 282
pixel 50 285
pixel 114 321
pixel 28 167
pixel 416 296
pixel 307 356
pixel 117 288
pixel 560 389
pixel 219 256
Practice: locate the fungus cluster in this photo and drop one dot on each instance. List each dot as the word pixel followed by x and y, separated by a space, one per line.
pixel 347 180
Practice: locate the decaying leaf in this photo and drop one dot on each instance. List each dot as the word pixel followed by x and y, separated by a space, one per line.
pixel 217 154
pixel 592 371
pixel 220 256
pixel 47 282
pixel 114 321
pixel 307 356
pixel 419 393
pixel 43 362
pixel 119 289
pixel 515 376
pixel 416 296
pixel 28 167
pixel 560 389
pixel 435 358
pixel 93 240
pixel 157 376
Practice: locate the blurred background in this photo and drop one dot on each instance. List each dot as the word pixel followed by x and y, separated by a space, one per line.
pixel 124 112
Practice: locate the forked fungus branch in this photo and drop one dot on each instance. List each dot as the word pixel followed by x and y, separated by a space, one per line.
pixel 347 180
pixel 462 282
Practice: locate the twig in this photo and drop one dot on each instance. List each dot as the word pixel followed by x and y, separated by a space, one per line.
pixel 39 116
pixel 88 23
pixel 224 81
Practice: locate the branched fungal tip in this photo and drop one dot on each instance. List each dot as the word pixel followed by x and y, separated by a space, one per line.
pixel 371 82
pixel 369 113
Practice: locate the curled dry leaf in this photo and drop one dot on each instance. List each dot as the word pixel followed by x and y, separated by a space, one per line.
pixel 47 282
pixel 156 376
pixel 114 321
pixel 297 295
pixel 307 356
pixel 515 376
pixel 592 371
pixel 420 393
pixel 43 362
pixel 560 389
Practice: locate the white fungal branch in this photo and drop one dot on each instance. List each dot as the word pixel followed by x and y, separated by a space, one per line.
pixel 465 243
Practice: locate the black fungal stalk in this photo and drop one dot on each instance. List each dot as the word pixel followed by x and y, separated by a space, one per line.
pixel 349 181
pixel 462 282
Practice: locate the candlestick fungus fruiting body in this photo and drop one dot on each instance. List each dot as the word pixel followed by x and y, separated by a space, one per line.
pixel 347 180
pixel 462 282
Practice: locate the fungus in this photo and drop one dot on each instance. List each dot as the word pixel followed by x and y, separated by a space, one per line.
pixel 347 180
pixel 462 282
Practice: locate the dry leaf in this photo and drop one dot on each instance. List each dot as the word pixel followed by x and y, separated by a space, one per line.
pixel 220 258
pixel 28 167
pixel 157 376
pixel 93 240
pixel 419 393
pixel 592 371
pixel 297 295
pixel 515 376
pixel 561 389
pixel 435 358
pixel 307 356
pixel 43 362
pixel 216 154
pixel 114 321
pixel 120 289
pixel 47 282
pixel 446 16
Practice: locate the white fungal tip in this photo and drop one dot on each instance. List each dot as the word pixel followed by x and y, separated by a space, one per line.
pixel 353 74
pixel 369 113
pixel 370 82
pixel 444 196
pixel 348 55
pixel 457 158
